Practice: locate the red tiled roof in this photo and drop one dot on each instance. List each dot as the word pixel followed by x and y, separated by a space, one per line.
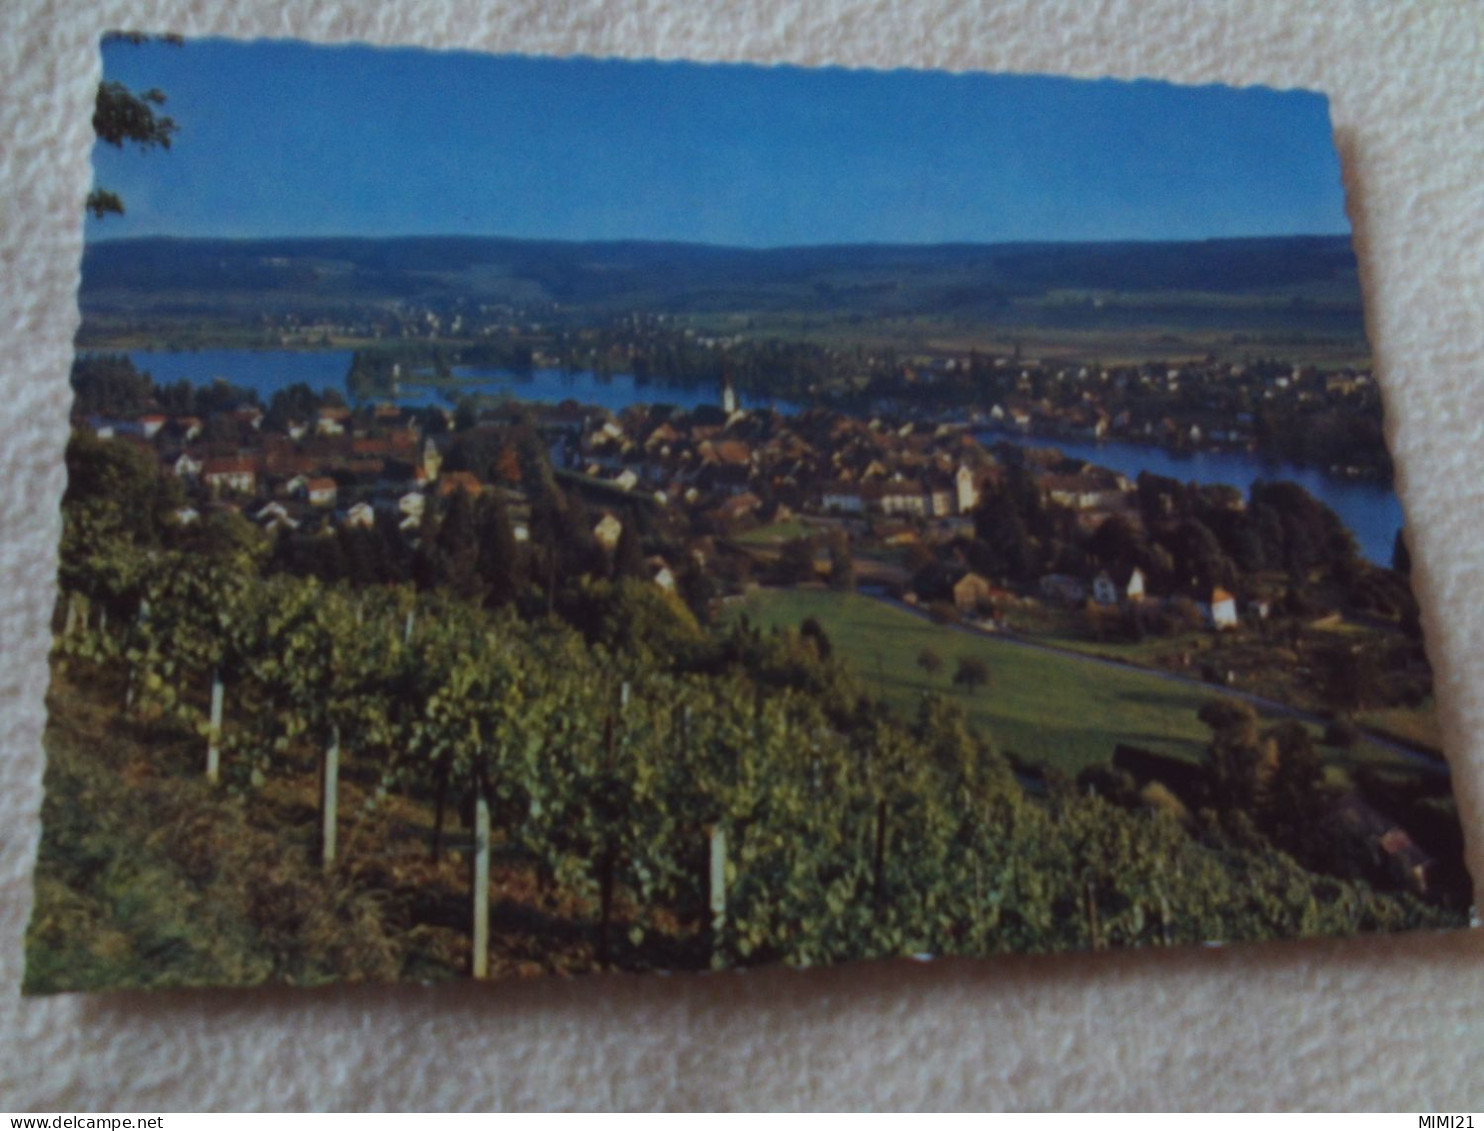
pixel 227 465
pixel 460 481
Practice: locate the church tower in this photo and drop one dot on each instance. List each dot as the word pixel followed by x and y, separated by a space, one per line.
pixel 728 393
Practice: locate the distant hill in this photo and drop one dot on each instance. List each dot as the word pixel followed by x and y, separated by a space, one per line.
pixel 960 279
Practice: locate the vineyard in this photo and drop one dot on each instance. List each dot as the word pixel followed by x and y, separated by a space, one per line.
pixel 685 799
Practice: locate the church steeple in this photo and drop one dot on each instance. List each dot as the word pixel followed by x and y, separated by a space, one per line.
pixel 728 393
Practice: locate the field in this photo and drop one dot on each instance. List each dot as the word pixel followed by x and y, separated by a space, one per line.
pixel 1297 297
pixel 775 533
pixel 1056 710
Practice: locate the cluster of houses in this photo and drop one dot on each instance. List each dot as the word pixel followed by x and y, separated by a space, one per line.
pixel 910 481
pixel 724 465
pixel 343 469
pixel 337 470
pixel 1219 611
pixel 1190 405
pixel 739 463
pixel 976 596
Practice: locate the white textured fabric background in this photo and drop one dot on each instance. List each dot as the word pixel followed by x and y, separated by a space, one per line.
pixel 1394 1023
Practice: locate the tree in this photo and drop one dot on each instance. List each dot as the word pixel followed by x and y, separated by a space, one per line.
pixel 812 631
pixel 628 554
pixel 466 415
pixel 115 486
pixel 1294 798
pixel 1201 559
pixel 499 561
pixel 454 557
pixel 109 384
pixel 122 115
pixel 796 561
pixel 998 523
pixel 842 565
pixel 1239 760
pixel 1350 676
pixel 297 402
pixel 930 662
pixel 972 674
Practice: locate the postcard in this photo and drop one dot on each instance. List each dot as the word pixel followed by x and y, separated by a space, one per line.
pixel 551 515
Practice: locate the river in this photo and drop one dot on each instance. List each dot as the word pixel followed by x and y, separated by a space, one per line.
pixel 267 371
pixel 1371 510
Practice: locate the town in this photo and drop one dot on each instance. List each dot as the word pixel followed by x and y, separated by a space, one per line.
pixel 940 516
pixel 1231 394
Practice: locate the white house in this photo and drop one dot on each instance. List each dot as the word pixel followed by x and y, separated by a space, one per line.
pixel 1104 592
pixel 968 490
pixel 1223 609
pixel 229 473
pixel 607 531
pixel 321 492
pixel 903 497
pixel 274 517
pixel 661 574
pixel 843 497
pixel 412 504
pixel 1134 590
pixel 331 421
pixel 360 516
pixel 186 467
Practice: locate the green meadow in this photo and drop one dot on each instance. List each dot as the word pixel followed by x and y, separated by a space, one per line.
pixel 1048 708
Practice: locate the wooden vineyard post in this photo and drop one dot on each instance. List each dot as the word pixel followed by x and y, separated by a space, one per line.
pixel 718 893
pixel 878 864
pixel 978 901
pixel 407 630
pixel 141 618
pixel 481 886
pixel 102 620
pixel 331 798
pixel 214 731
pixel 609 860
pixel 1090 903
pixel 70 626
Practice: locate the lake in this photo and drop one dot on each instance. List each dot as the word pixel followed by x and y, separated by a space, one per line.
pixel 1371 510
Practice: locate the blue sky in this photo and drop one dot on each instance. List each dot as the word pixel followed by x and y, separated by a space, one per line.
pixel 289 139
